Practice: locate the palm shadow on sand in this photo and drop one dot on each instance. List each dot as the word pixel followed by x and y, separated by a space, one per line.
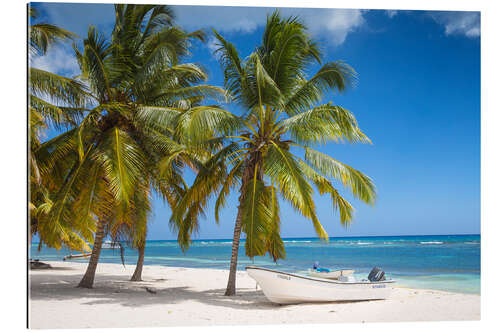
pixel 114 289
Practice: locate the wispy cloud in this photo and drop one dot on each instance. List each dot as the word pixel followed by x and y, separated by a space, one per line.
pixel 59 60
pixel 212 46
pixel 222 18
pixel 332 24
pixel 459 23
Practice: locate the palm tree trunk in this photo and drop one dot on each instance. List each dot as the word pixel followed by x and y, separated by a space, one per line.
pixel 231 283
pixel 247 175
pixel 137 276
pixel 88 279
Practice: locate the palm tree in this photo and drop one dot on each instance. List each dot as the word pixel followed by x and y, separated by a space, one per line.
pixel 282 117
pixel 54 101
pixel 145 124
pixel 180 87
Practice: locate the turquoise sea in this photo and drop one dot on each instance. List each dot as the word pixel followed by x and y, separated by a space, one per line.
pixel 449 262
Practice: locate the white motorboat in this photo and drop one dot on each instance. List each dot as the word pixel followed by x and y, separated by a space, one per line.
pixel 109 245
pixel 333 275
pixel 288 288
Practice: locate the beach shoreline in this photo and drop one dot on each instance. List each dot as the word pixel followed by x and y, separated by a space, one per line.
pixel 178 296
pixel 456 268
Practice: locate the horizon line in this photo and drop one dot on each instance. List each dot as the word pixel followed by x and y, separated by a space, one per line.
pixel 287 238
pixel 356 236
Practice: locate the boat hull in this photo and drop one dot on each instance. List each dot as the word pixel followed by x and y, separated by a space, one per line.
pixel 286 288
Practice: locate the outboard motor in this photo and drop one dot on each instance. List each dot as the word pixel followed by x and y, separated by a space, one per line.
pixel 376 275
pixel 316 265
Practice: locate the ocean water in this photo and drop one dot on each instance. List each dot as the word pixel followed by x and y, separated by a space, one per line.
pixel 449 263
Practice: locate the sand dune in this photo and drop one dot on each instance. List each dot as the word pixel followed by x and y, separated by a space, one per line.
pixel 193 297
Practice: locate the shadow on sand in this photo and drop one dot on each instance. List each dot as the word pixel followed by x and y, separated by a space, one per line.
pixel 114 289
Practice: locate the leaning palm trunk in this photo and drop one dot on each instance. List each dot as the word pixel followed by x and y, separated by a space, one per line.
pixel 88 279
pixel 231 282
pixel 137 276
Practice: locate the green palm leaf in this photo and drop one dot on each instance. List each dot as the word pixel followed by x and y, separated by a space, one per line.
pixel 59 222
pixel 325 186
pixel 256 216
pixel 331 76
pixel 285 171
pixel 274 243
pixel 122 162
pixel 43 35
pixel 285 50
pixel 323 123
pixel 234 73
pixel 203 122
pixel 56 88
pixel 96 64
pixel 360 185
pixel 230 182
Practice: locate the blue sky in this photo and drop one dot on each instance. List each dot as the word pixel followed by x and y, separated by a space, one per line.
pixel 417 98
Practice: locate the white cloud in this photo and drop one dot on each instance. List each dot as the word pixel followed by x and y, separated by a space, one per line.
pixel 331 24
pixel 222 18
pixel 459 23
pixel 391 13
pixel 57 60
pixel 212 46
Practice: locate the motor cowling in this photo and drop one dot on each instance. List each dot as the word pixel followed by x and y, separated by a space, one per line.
pixel 376 274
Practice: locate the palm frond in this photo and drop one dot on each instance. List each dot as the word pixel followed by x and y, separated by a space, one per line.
pixel 331 76
pixel 285 50
pixel 360 185
pixel 230 182
pixel 122 162
pixel 43 35
pixel 203 122
pixel 274 243
pixel 162 118
pixel 285 172
pixel 208 181
pixel 234 73
pixel 96 64
pixel 56 116
pixel 256 216
pixel 58 227
pixel 324 186
pixel 324 123
pixel 262 90
pixel 56 88
pixel 58 150
pixel 171 95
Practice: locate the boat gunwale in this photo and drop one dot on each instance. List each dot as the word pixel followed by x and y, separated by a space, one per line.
pixel 311 270
pixel 320 279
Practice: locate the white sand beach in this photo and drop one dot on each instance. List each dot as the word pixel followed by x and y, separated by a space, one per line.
pixel 194 297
